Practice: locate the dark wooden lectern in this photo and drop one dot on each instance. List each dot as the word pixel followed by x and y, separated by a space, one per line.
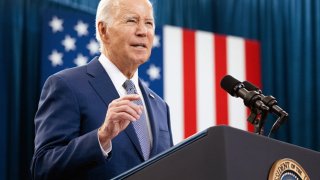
pixel 224 153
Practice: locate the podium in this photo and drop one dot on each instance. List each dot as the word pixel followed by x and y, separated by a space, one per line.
pixel 224 153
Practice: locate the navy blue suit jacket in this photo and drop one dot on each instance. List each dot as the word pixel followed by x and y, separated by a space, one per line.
pixel 72 107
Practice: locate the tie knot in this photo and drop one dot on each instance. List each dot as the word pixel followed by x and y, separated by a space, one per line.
pixel 129 87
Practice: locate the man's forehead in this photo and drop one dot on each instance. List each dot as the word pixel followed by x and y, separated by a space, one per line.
pixel 128 9
pixel 120 3
pixel 134 1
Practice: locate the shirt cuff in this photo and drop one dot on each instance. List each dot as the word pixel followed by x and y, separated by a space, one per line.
pixel 105 152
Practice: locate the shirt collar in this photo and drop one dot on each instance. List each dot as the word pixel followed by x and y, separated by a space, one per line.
pixel 116 76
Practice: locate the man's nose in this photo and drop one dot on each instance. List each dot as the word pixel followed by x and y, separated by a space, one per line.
pixel 142 29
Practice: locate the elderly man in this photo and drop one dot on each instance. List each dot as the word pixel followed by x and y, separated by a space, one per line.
pixel 99 120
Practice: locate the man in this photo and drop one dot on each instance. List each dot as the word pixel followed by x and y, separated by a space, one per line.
pixel 99 120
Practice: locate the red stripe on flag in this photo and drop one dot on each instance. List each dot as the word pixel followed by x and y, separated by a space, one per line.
pixel 189 80
pixel 253 67
pixel 220 44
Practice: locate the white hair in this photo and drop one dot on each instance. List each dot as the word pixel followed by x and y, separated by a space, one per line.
pixel 106 14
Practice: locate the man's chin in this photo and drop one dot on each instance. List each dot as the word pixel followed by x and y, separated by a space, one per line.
pixel 141 60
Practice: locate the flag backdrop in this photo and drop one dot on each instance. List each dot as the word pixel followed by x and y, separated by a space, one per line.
pixel 185 68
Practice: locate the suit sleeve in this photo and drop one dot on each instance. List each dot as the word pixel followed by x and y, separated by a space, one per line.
pixel 60 150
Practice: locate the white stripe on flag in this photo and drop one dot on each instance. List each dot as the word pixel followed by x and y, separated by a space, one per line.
pixel 205 80
pixel 173 79
pixel 236 68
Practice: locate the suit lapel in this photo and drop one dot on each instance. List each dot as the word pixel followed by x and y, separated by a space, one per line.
pixel 150 102
pixel 102 84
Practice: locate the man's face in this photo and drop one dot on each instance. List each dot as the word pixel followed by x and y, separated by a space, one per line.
pixel 130 36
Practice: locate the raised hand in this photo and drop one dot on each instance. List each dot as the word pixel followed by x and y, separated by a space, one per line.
pixel 120 113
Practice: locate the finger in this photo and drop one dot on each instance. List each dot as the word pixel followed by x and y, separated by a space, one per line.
pixel 128 109
pixel 131 104
pixel 120 117
pixel 130 97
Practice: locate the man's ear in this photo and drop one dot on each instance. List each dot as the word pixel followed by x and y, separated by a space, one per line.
pixel 102 27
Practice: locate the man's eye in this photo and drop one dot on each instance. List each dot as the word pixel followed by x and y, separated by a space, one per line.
pixel 150 23
pixel 131 21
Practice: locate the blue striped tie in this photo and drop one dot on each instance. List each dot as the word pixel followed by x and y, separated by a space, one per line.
pixel 140 126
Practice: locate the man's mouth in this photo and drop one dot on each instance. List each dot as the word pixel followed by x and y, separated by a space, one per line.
pixel 139 45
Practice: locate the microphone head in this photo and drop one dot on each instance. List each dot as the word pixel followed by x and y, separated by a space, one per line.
pixel 230 84
pixel 251 87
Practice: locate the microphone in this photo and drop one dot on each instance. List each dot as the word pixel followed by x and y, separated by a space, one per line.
pixel 236 88
pixel 271 102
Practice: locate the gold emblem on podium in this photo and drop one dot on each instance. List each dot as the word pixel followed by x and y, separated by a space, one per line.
pixel 287 169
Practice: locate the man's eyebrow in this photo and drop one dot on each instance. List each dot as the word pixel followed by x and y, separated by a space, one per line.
pixel 134 16
pixel 130 15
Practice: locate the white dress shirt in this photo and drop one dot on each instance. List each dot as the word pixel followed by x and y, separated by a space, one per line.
pixel 118 78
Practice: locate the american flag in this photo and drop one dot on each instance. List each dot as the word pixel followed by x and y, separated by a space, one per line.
pixel 185 68
pixel 68 40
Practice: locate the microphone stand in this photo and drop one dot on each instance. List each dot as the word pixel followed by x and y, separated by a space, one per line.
pixel 259 114
pixel 277 124
pixel 257 118
pixel 259 111
pixel 271 102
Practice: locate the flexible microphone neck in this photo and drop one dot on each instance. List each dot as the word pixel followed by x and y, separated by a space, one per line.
pixel 272 103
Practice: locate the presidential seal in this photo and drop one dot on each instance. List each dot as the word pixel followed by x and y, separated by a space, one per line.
pixel 287 169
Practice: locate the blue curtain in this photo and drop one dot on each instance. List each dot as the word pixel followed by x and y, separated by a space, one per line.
pixel 289 32
pixel 20 28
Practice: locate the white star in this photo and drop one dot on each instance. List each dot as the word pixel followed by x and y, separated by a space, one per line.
pixel 56 58
pixel 156 41
pixel 153 72
pixel 93 47
pixel 56 24
pixel 81 28
pixel 69 43
pixel 81 60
